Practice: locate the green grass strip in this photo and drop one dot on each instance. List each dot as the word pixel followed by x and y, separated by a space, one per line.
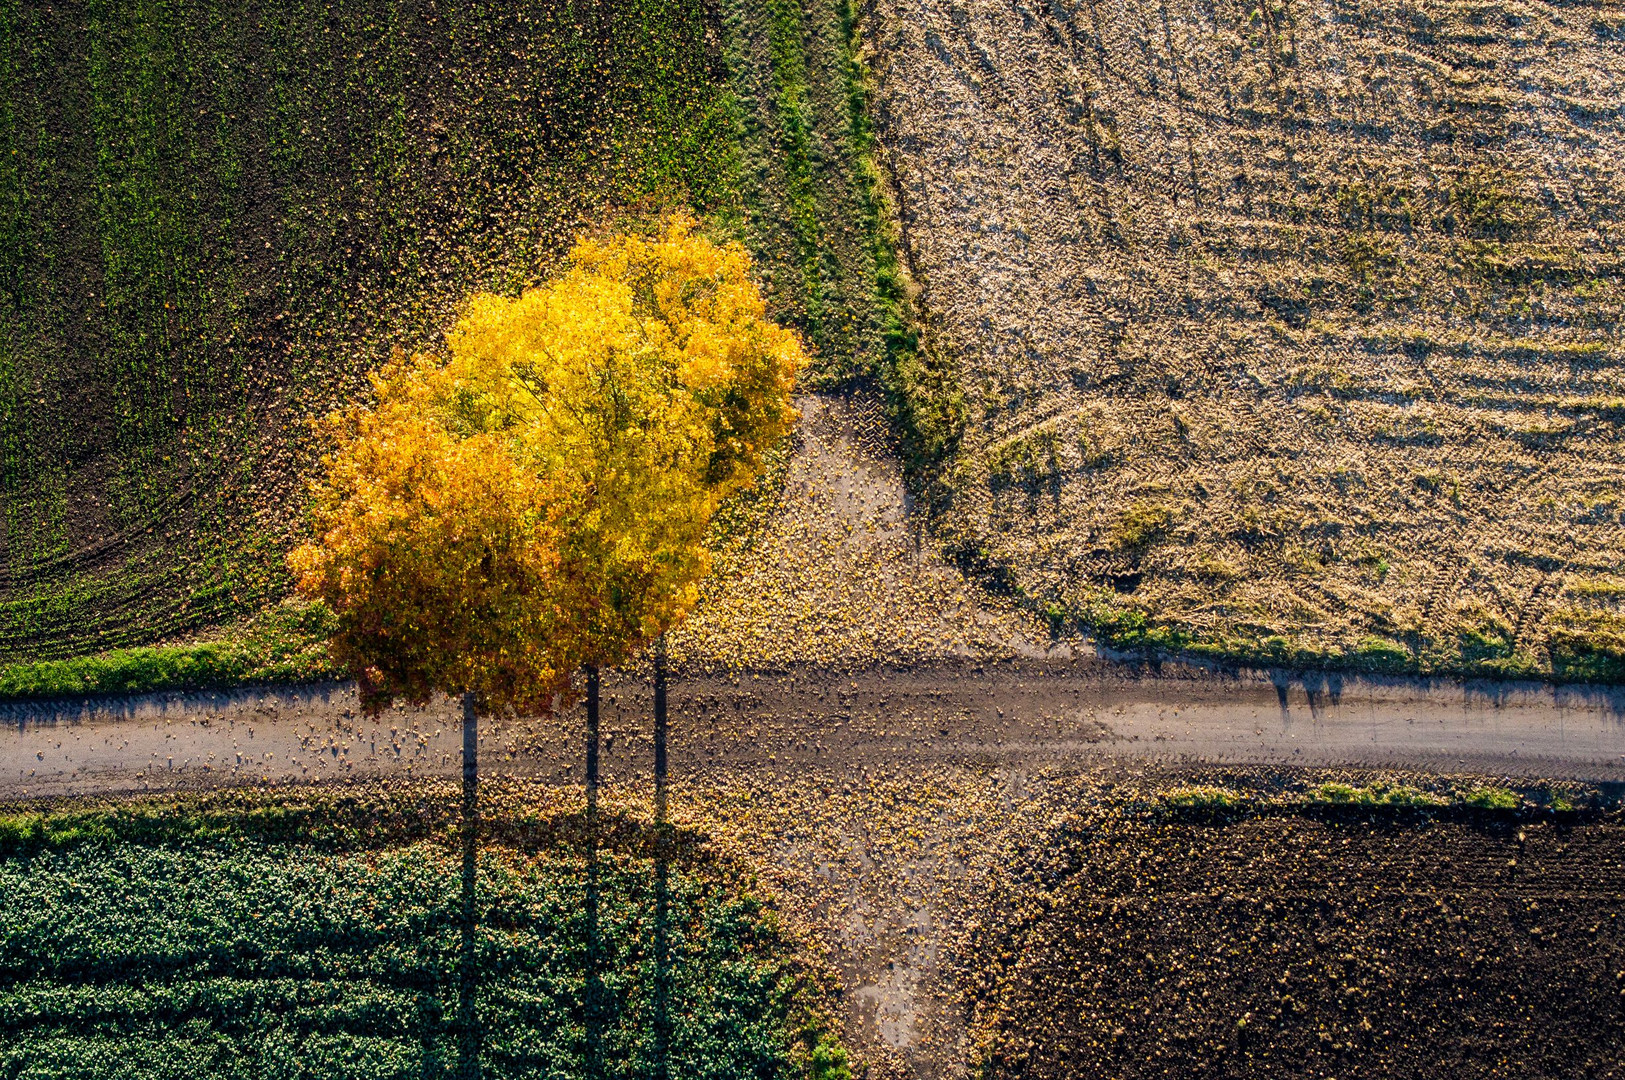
pixel 922 397
pixel 287 644
pixel 790 90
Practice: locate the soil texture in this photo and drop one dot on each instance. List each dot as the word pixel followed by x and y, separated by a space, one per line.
pixel 898 813
pixel 1311 948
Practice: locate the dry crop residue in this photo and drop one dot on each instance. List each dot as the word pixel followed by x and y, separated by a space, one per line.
pixel 1289 327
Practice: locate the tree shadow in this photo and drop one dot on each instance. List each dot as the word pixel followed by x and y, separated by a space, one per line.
pixel 662 983
pixel 592 1004
pixel 468 1033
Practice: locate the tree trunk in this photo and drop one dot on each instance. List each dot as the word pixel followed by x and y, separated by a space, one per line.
pixel 592 745
pixel 468 1036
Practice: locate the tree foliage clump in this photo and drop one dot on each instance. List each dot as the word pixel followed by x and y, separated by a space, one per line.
pixel 440 553
pixel 538 498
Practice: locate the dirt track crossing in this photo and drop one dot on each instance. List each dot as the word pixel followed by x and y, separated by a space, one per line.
pixel 884 806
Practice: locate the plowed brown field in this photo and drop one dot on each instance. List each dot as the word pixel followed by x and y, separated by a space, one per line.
pixel 1316 948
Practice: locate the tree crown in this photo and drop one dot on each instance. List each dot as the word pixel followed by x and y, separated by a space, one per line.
pixel 539 498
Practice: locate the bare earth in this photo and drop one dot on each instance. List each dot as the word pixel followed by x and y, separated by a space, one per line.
pixel 883 805
pixel 1083 711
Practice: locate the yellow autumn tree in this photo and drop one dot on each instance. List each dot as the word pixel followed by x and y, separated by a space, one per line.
pixel 539 498
pixel 440 550
pixel 648 379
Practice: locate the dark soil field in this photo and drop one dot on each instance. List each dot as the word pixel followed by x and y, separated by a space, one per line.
pixel 1339 946
pixel 1017 866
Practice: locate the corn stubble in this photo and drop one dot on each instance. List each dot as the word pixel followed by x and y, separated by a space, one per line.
pixel 1284 333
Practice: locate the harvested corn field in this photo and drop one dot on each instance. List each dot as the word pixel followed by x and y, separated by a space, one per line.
pixel 1279 331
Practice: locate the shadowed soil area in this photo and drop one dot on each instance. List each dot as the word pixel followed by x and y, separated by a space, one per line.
pixel 1325 948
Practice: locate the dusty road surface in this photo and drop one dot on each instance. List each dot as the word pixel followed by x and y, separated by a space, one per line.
pixel 1058 711
pixel 908 750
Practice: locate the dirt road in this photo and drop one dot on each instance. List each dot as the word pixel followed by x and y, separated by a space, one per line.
pixel 916 745
pixel 1055 711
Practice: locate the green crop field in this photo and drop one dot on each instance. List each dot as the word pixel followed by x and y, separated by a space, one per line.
pixel 288 937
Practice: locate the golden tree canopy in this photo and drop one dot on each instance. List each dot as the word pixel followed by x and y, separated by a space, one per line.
pixel 541 498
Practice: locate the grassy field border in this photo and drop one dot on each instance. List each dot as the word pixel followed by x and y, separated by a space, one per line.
pixel 916 373
pixel 1131 633
pixel 284 644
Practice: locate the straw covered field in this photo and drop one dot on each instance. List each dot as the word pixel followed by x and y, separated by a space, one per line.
pixel 1277 331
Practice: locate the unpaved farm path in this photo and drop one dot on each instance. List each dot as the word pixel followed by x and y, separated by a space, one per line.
pixel 913 745
pixel 1084 710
